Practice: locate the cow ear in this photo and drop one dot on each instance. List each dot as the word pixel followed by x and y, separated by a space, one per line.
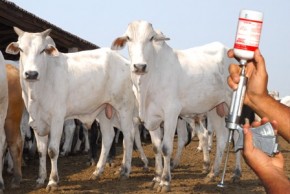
pixel 12 48
pixel 160 37
pixel 119 43
pixel 18 31
pixel 51 51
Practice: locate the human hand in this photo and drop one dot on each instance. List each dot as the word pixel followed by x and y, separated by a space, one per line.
pixel 256 74
pixel 261 163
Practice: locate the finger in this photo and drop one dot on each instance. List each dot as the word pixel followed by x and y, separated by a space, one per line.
pixel 260 60
pixel 248 138
pixel 232 84
pixel 256 124
pixel 264 120
pixel 231 53
pixel 274 124
pixel 234 71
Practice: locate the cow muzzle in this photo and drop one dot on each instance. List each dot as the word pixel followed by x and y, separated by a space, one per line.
pixel 31 75
pixel 140 69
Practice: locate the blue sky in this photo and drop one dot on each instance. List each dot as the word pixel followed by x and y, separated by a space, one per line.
pixel 188 23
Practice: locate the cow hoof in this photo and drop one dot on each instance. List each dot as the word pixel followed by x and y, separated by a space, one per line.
pixel 39 185
pixel 85 152
pixel 163 189
pixel 145 169
pixel 235 179
pixel 124 177
pixel 154 185
pixel 209 179
pixel 51 188
pixel 205 170
pixel 15 185
pixel 110 164
pixel 94 177
pixel 91 163
pixel 15 182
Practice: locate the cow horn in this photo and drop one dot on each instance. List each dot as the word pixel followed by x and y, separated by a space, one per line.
pixel 18 31
pixel 45 33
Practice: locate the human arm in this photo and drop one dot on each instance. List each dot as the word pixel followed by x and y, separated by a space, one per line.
pixel 270 170
pixel 257 96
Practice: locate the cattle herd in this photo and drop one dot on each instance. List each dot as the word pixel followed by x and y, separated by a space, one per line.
pixel 160 88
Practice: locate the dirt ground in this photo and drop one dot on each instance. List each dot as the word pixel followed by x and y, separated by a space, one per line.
pixel 187 178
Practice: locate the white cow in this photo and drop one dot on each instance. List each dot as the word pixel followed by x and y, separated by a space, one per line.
pixel 3 113
pixel 70 129
pixel 58 86
pixel 285 100
pixel 172 83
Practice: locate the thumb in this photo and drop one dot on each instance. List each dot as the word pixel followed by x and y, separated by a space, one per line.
pixel 248 138
pixel 260 61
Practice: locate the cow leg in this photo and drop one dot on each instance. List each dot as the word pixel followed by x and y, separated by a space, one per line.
pixel 8 157
pixel 210 140
pixel 93 142
pixel 108 134
pixel 32 145
pixel 238 169
pixel 128 140
pixel 41 142
pixel 2 151
pixel 53 152
pixel 218 123
pixel 167 148
pixel 15 149
pixel 112 154
pixel 69 129
pixel 140 148
pixel 117 136
pixel 205 149
pixel 87 142
pixel 156 137
pixel 182 140
pixel 78 132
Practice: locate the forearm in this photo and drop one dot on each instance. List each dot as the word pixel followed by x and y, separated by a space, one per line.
pixel 270 108
pixel 275 182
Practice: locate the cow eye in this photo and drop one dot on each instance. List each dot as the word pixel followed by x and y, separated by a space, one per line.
pixel 152 38
pixel 128 38
pixel 42 51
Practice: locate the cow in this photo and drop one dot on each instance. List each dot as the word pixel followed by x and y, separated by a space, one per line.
pixel 192 81
pixel 60 86
pixel 11 134
pixel 3 113
pixel 93 137
pixel 285 100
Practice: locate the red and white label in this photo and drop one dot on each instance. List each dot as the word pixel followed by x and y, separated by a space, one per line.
pixel 248 34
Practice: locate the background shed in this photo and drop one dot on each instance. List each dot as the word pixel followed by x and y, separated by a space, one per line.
pixel 13 15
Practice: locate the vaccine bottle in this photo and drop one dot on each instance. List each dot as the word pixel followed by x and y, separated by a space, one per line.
pixel 248 35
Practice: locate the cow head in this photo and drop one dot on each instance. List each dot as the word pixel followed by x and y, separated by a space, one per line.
pixel 34 48
pixel 143 42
